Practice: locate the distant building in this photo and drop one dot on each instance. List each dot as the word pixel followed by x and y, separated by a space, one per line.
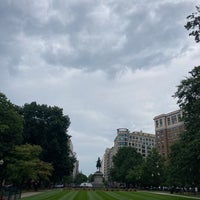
pixel 142 142
pixel 73 154
pixel 167 129
pixel 107 162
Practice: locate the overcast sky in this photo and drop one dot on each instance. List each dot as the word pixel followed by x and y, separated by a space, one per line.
pixel 107 63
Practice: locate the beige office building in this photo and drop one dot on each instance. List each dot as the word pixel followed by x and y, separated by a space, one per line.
pixel 142 142
pixel 107 164
pixel 167 129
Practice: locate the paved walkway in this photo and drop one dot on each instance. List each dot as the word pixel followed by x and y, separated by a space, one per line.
pixel 169 194
pixel 28 194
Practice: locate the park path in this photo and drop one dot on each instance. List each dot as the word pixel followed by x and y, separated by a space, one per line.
pixel 28 194
pixel 189 197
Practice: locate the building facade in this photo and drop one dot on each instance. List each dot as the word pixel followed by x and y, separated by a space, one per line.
pixel 107 162
pixel 73 154
pixel 142 142
pixel 167 130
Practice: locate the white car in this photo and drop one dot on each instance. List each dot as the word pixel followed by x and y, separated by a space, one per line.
pixel 85 184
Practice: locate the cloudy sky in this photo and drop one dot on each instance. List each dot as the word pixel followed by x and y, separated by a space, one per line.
pixel 107 63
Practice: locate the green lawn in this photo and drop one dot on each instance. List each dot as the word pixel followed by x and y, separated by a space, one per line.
pixel 101 195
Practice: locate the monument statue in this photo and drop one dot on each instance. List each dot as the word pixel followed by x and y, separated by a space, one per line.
pixel 98 165
pixel 98 176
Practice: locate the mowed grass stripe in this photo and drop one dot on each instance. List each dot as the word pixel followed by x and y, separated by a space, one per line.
pixel 69 195
pixel 118 195
pixel 93 195
pixel 141 196
pixel 43 196
pixel 101 195
pixel 81 195
pixel 106 195
pixel 54 195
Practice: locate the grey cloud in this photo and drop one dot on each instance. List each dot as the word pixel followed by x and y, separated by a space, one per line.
pixel 146 32
pixel 163 31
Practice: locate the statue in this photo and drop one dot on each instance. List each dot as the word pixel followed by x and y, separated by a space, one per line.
pixel 98 165
pixel 98 176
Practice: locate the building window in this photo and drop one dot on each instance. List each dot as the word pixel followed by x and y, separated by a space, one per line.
pixel 161 123
pixel 179 118
pixel 156 123
pixel 174 119
pixel 168 121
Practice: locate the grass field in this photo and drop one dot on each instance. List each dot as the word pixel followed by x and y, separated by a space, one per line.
pixel 101 195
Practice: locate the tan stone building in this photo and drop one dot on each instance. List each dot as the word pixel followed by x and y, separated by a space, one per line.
pixel 167 129
pixel 143 142
pixel 73 154
pixel 107 162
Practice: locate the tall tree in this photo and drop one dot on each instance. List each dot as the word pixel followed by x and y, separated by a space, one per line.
pixel 47 126
pixel 193 24
pixel 80 178
pixel 11 128
pixel 127 164
pixel 187 160
pixel 153 171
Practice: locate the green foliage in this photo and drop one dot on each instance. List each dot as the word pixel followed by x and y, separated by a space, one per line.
pixel 91 178
pixel 80 178
pixel 24 164
pixel 126 165
pixel 184 157
pixel 47 126
pixel 153 170
pixel 194 24
pixel 11 127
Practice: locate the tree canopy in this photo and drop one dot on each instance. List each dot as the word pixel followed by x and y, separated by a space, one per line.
pixel 127 164
pixel 11 129
pixel 25 165
pixel 11 126
pixel 193 24
pixel 47 126
pixel 80 178
pixel 184 157
pixel 153 170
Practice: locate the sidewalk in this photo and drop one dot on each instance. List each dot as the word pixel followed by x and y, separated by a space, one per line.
pixel 28 194
pixel 178 195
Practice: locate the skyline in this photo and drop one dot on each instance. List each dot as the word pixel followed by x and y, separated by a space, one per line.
pixel 108 64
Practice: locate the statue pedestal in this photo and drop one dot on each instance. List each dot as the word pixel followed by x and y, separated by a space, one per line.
pixel 98 180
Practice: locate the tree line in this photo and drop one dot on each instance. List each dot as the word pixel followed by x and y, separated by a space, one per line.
pixel 34 143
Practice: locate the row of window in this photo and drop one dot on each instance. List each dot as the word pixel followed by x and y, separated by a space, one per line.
pixel 136 139
pixel 141 138
pixel 171 120
pixel 142 145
